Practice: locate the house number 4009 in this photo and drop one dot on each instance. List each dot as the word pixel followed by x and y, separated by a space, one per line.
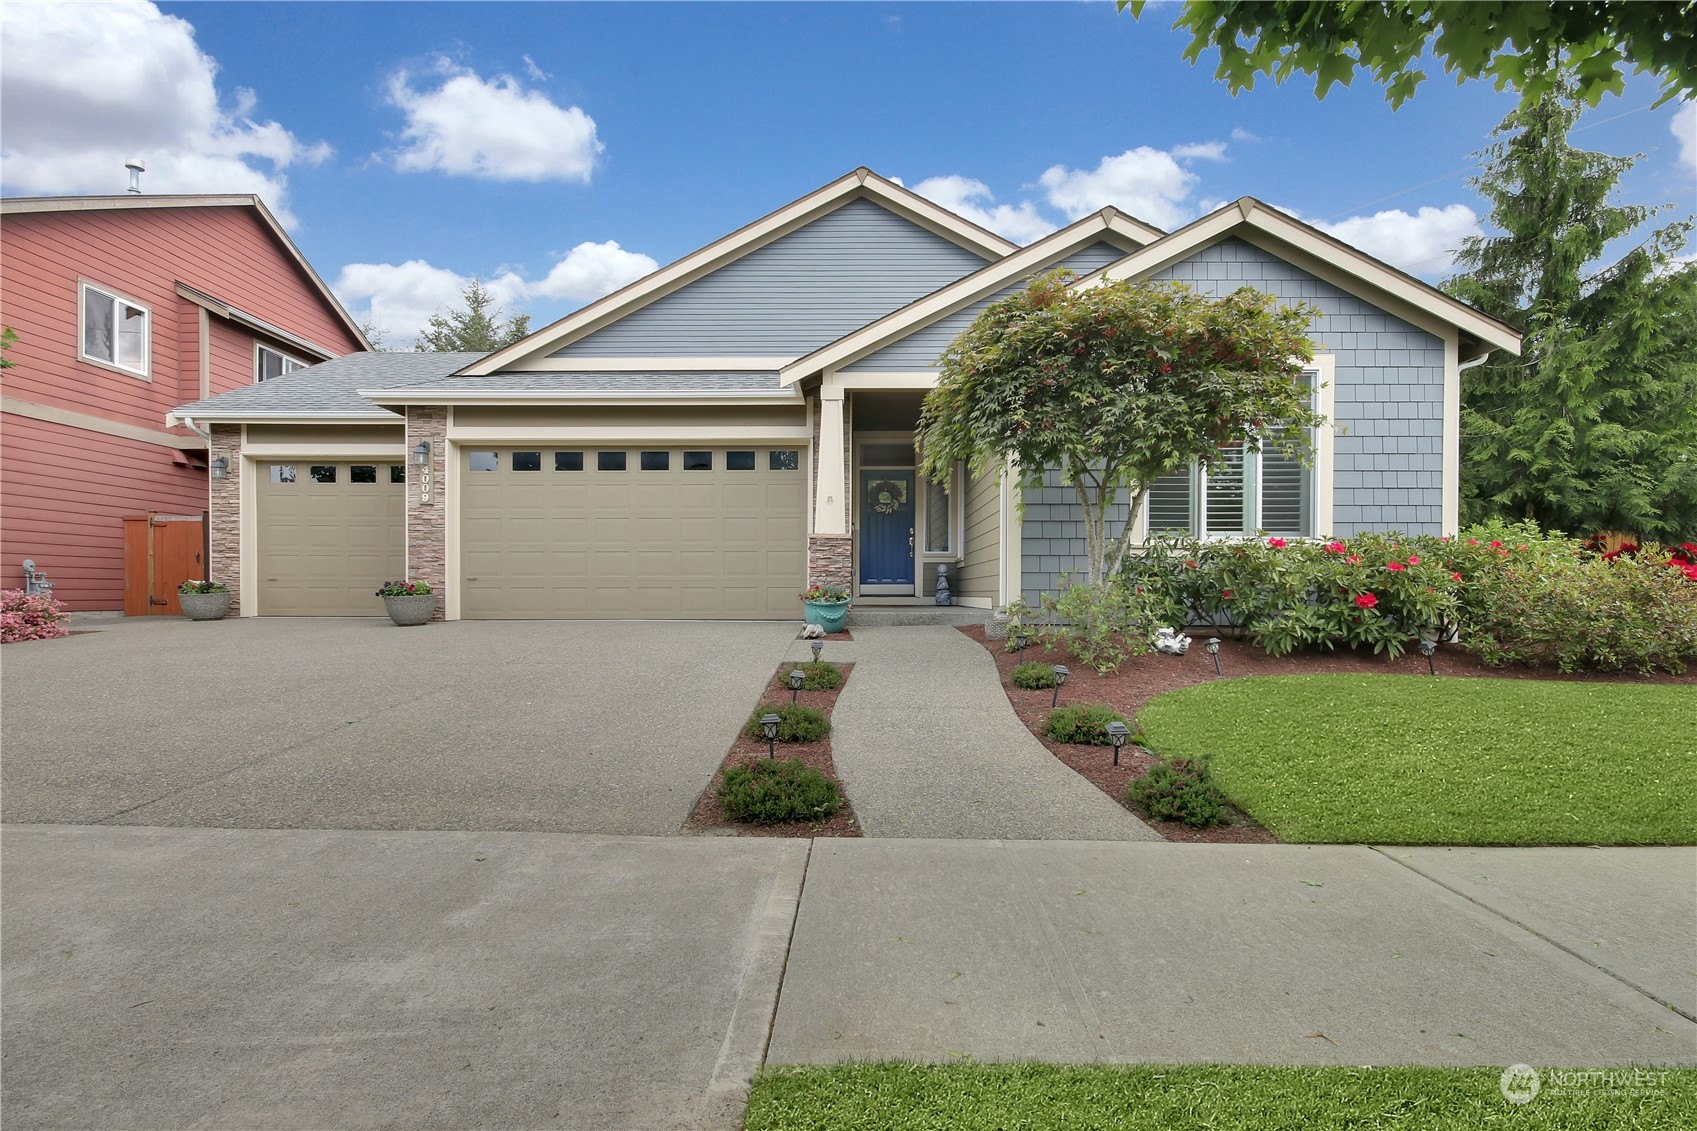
pixel 424 485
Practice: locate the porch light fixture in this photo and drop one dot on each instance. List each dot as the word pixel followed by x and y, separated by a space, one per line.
pixel 421 454
pixel 817 647
pixel 769 728
pixel 1429 649
pixel 219 468
pixel 797 677
pixel 1212 647
pixel 1061 674
pixel 1117 733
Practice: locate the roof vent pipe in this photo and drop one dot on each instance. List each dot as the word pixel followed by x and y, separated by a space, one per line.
pixel 136 168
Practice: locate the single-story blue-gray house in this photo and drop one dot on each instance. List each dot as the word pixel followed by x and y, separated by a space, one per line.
pixel 711 438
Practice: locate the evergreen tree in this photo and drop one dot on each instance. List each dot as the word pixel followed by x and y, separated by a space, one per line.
pixel 477 328
pixel 1594 426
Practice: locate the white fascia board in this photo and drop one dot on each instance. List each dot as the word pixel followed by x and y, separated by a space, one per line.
pixel 257 417
pixel 650 365
pixel 609 309
pixel 962 293
pixel 628 433
pixel 597 396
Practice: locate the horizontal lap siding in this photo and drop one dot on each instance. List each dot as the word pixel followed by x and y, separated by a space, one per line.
pixel 797 293
pixel 981 549
pixel 65 509
pixel 1388 408
pixel 921 349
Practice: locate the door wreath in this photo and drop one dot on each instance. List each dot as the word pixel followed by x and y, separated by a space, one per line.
pixel 888 495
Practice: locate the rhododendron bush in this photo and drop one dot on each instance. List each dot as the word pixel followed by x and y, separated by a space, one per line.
pixel 1512 592
pixel 37 616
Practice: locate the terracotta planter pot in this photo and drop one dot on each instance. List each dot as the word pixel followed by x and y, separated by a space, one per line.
pixel 204 606
pixel 411 609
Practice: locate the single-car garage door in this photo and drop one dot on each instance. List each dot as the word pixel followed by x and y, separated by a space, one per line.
pixel 329 535
pixel 592 533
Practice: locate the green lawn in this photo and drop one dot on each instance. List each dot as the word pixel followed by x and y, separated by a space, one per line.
pixel 1416 760
pixel 1032 1097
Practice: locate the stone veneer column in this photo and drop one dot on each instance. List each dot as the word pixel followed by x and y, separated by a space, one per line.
pixel 224 508
pixel 830 548
pixel 427 521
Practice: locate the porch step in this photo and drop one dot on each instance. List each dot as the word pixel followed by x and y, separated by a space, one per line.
pixel 888 616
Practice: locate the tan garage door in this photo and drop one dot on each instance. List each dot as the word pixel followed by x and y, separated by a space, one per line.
pixel 590 533
pixel 329 535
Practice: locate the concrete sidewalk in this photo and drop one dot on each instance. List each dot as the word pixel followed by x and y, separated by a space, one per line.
pixel 928 746
pixel 1265 954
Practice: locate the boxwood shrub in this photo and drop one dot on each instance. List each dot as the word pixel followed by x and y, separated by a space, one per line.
pixel 822 675
pixel 797 722
pixel 1033 675
pixel 1081 723
pixel 1178 790
pixel 771 792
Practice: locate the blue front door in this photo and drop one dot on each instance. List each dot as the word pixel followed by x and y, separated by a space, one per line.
pixel 886 531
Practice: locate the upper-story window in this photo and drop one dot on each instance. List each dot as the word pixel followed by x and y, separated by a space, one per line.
pixel 114 330
pixel 270 363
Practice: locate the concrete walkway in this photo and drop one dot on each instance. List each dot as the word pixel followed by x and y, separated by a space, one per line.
pixel 928 746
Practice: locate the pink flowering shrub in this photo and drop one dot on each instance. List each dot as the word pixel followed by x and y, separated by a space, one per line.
pixel 38 616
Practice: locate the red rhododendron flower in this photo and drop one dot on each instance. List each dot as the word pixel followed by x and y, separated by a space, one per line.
pixel 1227 594
pixel 1496 545
pixel 1395 567
pixel 1413 559
pixel 1473 541
pixel 1455 577
pixel 1189 565
pixel 1334 547
pixel 1353 559
pixel 1277 543
pixel 1366 601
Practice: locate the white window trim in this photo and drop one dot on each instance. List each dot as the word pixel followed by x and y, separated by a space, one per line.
pixel 1322 471
pixel 145 373
pixel 957 516
pixel 260 347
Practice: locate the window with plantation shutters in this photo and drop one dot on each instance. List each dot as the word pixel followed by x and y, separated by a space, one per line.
pixel 1247 491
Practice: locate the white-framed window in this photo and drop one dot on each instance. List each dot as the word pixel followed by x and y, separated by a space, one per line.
pixel 269 363
pixel 1248 491
pixel 943 516
pixel 116 331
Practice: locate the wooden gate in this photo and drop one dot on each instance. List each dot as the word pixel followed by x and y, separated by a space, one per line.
pixel 161 551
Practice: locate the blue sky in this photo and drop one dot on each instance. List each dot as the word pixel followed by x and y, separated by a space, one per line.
pixel 558 150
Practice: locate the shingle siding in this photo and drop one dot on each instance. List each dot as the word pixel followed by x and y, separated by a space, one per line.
pixel 794 295
pixel 1387 405
pixel 920 350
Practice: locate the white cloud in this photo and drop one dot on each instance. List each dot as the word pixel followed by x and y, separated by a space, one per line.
pixel 497 129
pixel 1201 151
pixel 972 199
pixel 1684 127
pixel 1241 134
pixel 1148 183
pixel 400 298
pixel 84 87
pixel 1422 244
pixel 591 270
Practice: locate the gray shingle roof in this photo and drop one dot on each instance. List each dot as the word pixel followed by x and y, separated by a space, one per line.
pixel 675 381
pixel 331 387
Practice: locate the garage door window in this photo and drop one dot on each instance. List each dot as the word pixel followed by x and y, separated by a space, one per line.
pixel 656 461
pixel 568 461
pixel 609 461
pixel 527 461
pixel 486 461
pixel 322 472
pixel 397 473
pixel 362 473
pixel 698 461
pixel 739 461
pixel 282 473
pixel 783 461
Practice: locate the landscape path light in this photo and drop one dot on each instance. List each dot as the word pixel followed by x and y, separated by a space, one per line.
pixel 1429 649
pixel 1019 642
pixel 817 646
pixel 1213 649
pixel 769 728
pixel 1117 732
pixel 1061 674
pixel 797 678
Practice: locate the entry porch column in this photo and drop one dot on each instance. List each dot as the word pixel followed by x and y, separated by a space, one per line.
pixel 830 549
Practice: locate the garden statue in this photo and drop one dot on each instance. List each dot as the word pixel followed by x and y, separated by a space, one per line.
pixel 944 597
pixel 811 632
pixel 1171 642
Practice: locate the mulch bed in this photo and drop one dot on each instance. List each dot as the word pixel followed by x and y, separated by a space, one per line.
pixel 707 819
pixel 1141 678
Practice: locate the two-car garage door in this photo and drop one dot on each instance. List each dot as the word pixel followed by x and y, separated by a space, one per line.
pixel 587 533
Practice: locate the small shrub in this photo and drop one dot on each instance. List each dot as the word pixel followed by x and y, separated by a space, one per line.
pixel 1033 675
pixel 1179 790
pixel 189 587
pixel 403 589
pixel 1082 724
pixel 822 675
pixel 1103 625
pixel 797 722
pixel 767 792
pixel 38 616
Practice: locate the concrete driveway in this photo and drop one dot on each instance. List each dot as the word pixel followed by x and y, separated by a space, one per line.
pixel 590 727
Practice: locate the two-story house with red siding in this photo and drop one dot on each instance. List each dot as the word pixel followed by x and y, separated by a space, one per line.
pixel 125 306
